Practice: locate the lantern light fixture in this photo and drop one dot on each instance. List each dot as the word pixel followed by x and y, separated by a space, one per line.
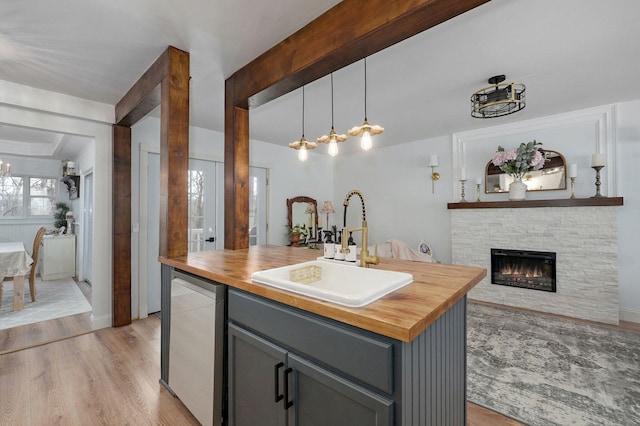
pixel 499 99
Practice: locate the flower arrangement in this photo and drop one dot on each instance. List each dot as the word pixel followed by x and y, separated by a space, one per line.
pixel 300 229
pixel 519 161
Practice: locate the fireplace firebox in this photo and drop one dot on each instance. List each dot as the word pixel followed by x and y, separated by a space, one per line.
pixel 534 270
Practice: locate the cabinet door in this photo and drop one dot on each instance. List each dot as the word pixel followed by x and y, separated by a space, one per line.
pixel 322 398
pixel 256 368
pixel 58 257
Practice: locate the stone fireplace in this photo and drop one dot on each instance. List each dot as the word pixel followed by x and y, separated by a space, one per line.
pixel 582 235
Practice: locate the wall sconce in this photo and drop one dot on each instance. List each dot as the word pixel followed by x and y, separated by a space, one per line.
pixel 433 163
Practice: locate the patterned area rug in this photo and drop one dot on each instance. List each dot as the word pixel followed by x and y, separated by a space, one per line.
pixel 54 299
pixel 548 371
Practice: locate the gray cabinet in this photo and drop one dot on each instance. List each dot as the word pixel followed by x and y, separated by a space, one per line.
pixel 336 374
pixel 269 385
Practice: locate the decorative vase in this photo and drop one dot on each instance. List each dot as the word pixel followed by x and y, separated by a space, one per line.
pixel 517 190
pixel 295 239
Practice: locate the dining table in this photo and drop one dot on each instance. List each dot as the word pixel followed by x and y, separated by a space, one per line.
pixel 14 262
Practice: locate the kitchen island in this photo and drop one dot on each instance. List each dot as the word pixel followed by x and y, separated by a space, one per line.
pixel 399 360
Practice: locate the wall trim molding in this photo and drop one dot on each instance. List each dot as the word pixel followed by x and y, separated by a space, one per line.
pixel 602 118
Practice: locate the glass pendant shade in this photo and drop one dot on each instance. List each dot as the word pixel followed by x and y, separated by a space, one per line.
pixel 365 142
pixel 302 153
pixel 333 147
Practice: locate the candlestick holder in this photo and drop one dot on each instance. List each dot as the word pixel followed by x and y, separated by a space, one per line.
pixel 462 200
pixel 477 192
pixel 597 169
pixel 573 187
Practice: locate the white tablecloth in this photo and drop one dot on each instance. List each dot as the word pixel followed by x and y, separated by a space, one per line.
pixel 14 260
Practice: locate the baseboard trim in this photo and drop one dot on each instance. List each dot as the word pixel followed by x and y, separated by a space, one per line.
pixel 630 315
pixel 103 321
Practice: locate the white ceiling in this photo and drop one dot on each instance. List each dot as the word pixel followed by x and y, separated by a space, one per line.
pixel 571 54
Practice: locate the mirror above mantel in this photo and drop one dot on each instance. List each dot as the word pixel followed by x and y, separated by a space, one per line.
pixel 551 177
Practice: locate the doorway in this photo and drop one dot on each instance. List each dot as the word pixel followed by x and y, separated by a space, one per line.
pixel 206 221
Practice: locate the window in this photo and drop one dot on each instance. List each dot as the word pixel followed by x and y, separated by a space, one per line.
pixel 11 197
pixel 42 196
pixel 27 196
pixel 196 210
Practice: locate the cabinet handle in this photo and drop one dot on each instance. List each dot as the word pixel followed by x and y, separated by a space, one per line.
pixel 276 389
pixel 286 402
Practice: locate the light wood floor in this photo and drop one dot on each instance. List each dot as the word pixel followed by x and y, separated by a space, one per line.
pixel 43 332
pixel 107 377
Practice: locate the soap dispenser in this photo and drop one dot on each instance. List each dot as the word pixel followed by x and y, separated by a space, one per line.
pixel 339 254
pixel 351 255
pixel 329 246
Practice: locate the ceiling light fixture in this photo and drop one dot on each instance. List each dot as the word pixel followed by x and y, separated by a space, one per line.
pixel 332 138
pixel 303 145
pixel 498 99
pixel 365 131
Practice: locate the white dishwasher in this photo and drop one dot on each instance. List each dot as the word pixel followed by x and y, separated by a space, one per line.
pixel 196 344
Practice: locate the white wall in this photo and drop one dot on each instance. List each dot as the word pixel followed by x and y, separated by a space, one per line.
pixel 396 184
pixel 628 137
pixel 397 187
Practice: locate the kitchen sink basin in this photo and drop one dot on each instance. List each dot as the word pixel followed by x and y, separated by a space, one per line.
pixel 334 282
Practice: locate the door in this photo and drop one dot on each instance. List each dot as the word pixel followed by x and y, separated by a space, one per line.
pixel 202 206
pixel 256 369
pixel 202 217
pixel 87 230
pixel 323 398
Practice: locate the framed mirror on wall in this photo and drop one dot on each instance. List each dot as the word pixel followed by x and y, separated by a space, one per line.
pixel 551 177
pixel 302 213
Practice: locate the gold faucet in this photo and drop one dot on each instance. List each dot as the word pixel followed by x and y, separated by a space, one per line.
pixel 365 258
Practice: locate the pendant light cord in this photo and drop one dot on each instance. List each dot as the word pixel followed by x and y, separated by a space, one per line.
pixel 303 112
pixel 365 89
pixel 331 100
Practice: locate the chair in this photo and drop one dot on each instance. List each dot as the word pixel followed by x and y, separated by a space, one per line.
pixel 34 254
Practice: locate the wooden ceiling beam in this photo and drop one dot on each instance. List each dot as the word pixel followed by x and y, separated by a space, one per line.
pixel 350 31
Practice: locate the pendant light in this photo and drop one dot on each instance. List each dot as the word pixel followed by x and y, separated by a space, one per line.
pixel 333 138
pixel 498 99
pixel 303 145
pixel 365 131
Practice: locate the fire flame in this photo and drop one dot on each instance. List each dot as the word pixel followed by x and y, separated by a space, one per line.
pixel 522 270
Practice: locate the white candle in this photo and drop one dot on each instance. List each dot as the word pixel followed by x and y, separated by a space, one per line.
pixel 433 161
pixel 573 170
pixel 478 181
pixel 597 160
pixel 463 174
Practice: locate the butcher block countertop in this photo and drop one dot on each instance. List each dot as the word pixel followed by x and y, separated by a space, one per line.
pixel 401 315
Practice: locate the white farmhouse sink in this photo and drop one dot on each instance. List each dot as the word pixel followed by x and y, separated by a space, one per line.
pixel 335 282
